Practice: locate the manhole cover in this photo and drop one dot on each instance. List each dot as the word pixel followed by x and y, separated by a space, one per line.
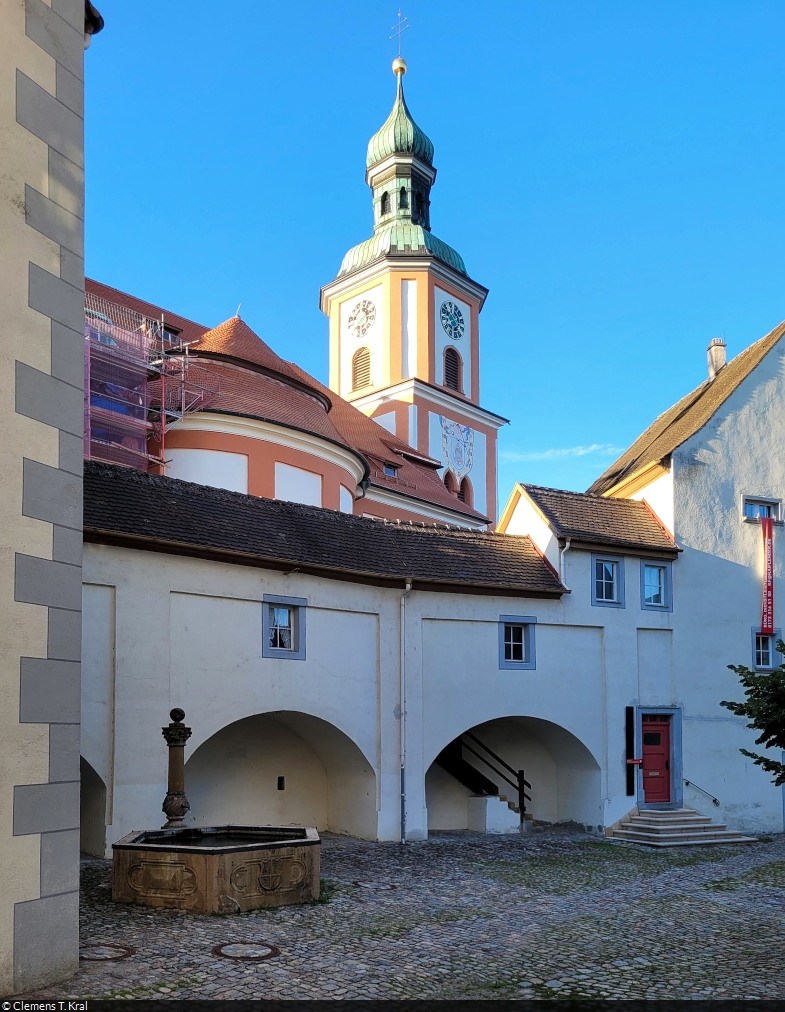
pixel 105 952
pixel 248 951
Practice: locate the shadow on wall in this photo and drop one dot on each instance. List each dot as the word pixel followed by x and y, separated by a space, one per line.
pixel 285 769
pixel 92 811
pixel 565 777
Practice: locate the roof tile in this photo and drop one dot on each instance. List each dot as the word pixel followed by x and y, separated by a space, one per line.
pixel 183 518
pixel 623 523
pixel 686 417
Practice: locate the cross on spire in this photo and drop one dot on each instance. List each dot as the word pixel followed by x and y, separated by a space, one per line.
pixel 399 29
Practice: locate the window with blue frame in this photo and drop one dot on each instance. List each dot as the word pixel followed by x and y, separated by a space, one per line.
pixel 756 509
pixel 283 627
pixel 516 642
pixel 607 583
pixel 656 588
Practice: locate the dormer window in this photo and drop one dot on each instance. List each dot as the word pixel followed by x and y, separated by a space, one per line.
pixel 391 470
pixel 385 204
pixel 403 199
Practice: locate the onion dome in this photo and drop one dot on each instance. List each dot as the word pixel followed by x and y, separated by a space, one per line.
pixel 400 134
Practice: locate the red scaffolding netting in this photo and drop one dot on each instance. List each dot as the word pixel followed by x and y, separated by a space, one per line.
pixel 138 382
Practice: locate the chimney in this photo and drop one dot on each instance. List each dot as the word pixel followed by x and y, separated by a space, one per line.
pixel 716 356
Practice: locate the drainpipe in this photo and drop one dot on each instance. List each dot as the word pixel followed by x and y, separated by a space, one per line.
pixel 404 595
pixel 562 563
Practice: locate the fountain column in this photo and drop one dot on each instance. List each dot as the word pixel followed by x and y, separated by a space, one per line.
pixel 176 803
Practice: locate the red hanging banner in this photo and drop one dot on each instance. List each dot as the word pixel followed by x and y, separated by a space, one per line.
pixel 767 617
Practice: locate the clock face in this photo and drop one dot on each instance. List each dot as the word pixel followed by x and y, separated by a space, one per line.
pixel 452 320
pixel 361 318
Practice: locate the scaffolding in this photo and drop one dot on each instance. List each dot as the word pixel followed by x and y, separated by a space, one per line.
pixel 139 381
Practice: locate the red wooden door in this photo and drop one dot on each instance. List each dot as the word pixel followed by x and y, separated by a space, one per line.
pixel 656 758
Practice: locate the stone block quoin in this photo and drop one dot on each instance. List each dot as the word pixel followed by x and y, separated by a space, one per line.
pixel 46 926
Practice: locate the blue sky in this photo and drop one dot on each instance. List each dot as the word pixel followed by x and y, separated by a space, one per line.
pixel 612 171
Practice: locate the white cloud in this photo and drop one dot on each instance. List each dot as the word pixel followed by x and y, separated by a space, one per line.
pixel 595 450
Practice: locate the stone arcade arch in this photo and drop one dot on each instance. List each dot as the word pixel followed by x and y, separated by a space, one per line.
pixel 283 768
pixel 565 776
pixel 92 811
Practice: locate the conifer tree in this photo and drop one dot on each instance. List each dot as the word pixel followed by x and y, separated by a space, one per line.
pixel 765 706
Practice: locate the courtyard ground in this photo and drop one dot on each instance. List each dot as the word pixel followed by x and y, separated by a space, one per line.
pixel 546 915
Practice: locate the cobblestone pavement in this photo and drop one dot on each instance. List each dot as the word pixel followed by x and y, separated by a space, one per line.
pixel 467 916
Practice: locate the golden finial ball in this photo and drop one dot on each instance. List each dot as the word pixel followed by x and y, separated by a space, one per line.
pixel 399 65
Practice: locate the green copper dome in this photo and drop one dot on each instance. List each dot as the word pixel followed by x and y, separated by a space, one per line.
pixel 399 135
pixel 400 238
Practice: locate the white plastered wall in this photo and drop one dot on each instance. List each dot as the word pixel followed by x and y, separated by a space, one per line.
pixel 526 519
pixel 188 633
pixel 216 468
pixel 659 495
pixel 295 484
pixel 408 328
pixel 327 783
pixel 718 591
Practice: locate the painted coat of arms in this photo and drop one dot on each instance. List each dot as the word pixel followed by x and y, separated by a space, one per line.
pixel 457 447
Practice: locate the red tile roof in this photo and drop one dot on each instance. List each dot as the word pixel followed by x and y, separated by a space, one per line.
pixel 255 394
pixel 676 425
pixel 623 523
pixel 420 480
pixel 251 392
pixel 235 339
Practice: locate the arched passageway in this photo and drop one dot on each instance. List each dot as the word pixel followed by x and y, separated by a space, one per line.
pixel 564 777
pixel 92 811
pixel 286 769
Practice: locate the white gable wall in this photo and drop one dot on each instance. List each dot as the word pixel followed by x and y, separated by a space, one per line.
pixel 717 588
pixel 526 519
pixel 659 495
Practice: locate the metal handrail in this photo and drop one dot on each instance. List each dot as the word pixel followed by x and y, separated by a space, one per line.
pixel 493 755
pixel 520 783
pixel 715 801
pixel 484 760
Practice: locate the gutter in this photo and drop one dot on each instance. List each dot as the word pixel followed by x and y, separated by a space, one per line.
pixel 404 595
pixel 562 563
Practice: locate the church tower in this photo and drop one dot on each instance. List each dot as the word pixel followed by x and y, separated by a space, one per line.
pixel 404 319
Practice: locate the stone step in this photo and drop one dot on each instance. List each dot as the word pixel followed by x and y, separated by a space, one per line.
pixel 717 835
pixel 667 813
pixel 678 813
pixel 670 824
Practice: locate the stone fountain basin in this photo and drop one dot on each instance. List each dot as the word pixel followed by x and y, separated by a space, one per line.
pixel 217 870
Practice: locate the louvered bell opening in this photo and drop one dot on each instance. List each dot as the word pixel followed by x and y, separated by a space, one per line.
pixel 462 491
pixel 452 369
pixel 361 369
